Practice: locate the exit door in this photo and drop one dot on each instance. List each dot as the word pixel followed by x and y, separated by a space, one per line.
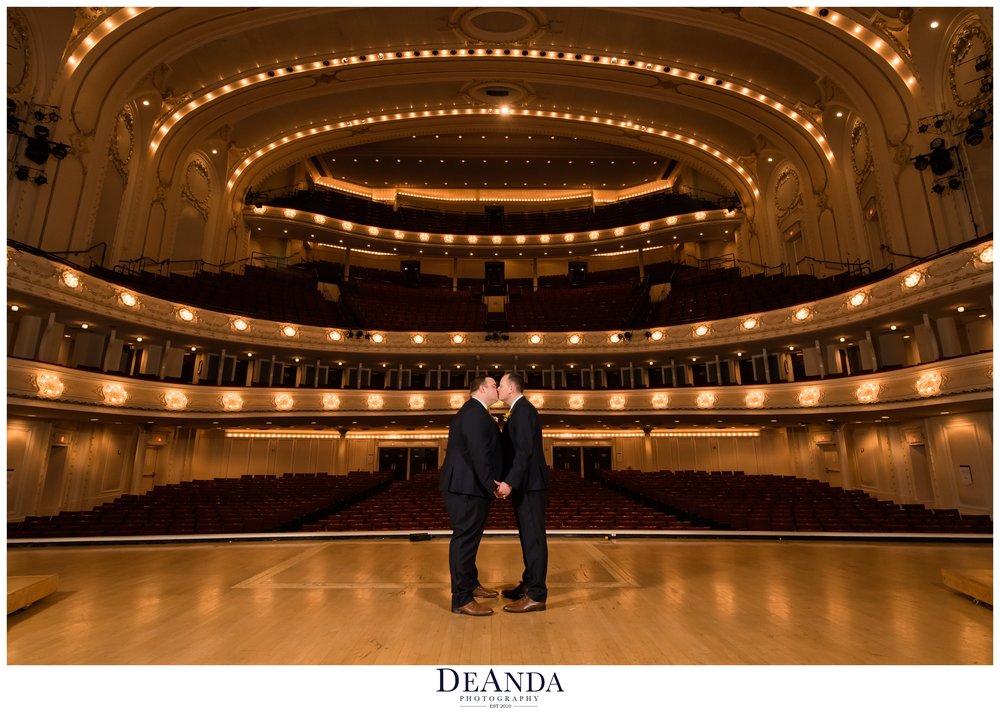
pixel 596 459
pixel 393 459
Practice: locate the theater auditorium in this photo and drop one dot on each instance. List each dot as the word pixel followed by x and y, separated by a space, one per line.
pixel 742 257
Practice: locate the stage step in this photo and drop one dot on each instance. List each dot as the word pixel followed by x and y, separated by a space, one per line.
pixel 975 583
pixel 22 591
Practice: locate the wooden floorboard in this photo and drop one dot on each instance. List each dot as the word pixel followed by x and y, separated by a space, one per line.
pixel 385 602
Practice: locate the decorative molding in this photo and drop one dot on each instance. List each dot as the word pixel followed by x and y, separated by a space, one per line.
pixel 946 276
pixel 519 25
pixel 19 56
pixel 125 123
pixel 964 45
pixel 789 185
pixel 861 153
pixel 88 392
pixel 196 169
pixel 895 30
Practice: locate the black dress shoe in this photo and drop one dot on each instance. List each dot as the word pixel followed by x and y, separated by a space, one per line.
pixel 516 592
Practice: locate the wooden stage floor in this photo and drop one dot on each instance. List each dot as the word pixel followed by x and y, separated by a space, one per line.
pixel 618 602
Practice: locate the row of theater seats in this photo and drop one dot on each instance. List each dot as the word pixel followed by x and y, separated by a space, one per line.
pixel 377 299
pixel 574 503
pixel 342 206
pixel 602 306
pixel 613 500
pixel 736 501
pixel 252 503
pixel 391 307
pixel 275 294
pixel 712 294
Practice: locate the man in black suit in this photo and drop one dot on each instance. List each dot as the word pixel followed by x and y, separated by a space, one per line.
pixel 468 483
pixel 526 478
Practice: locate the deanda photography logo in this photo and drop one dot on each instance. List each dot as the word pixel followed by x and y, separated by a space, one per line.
pixel 497 689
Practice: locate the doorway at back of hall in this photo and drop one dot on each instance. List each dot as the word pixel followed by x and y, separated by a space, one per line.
pixel 405 462
pixel 586 461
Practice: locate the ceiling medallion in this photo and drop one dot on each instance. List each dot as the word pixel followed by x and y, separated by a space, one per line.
pixel 498 24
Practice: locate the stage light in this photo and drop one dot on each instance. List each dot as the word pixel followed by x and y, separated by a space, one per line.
pixel 983 63
pixel 954 183
pixel 40 179
pixel 21 173
pixel 921 162
pixel 938 188
pixel 941 161
pixel 37 150
pixel 974 136
pixel 937 144
pixel 60 151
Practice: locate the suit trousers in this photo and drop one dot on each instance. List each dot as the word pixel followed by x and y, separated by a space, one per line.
pixel 529 512
pixel 468 520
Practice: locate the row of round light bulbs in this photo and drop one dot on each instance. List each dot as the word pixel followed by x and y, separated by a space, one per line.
pixel 744 90
pixel 49 386
pixel 372 231
pixel 364 120
pixel 911 280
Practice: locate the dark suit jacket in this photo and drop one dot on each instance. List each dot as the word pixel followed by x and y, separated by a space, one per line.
pixel 471 461
pixel 523 458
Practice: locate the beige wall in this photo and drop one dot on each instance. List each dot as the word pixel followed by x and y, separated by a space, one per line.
pixel 911 461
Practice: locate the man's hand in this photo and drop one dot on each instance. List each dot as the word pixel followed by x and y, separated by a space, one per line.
pixel 503 490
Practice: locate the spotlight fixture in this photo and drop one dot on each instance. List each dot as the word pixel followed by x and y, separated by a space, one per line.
pixel 940 160
pixel 986 86
pixel 921 162
pixel 938 188
pixel 40 179
pixel 60 151
pixel 922 128
pixel 21 173
pixel 982 63
pixel 954 182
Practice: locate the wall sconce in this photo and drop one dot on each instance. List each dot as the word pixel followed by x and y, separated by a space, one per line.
pixel 809 397
pixel 49 385
pixel 867 392
pixel 929 384
pixel 175 400
pixel 232 401
pixel 114 394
